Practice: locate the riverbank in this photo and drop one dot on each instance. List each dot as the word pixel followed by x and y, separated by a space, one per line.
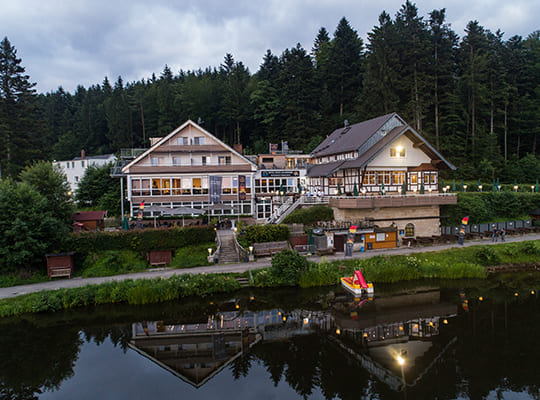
pixel 239 268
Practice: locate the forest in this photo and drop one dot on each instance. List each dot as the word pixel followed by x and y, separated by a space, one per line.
pixel 476 98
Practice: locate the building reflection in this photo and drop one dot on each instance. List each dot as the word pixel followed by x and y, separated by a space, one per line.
pixel 377 334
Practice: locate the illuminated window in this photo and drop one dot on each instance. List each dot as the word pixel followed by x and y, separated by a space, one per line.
pixel 414 178
pixel 177 186
pixel 398 177
pixel 197 186
pixel 409 230
pixel 369 178
pixel 398 151
pixel 383 177
pixel 224 160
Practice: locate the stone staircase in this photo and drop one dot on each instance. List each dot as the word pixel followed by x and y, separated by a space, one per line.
pixel 227 251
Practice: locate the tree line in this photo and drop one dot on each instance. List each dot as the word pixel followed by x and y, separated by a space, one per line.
pixel 475 98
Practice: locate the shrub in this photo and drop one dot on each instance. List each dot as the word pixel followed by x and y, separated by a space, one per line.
pixel 113 262
pixel 486 255
pixel 287 265
pixel 267 233
pixel 192 256
pixel 321 274
pixel 310 215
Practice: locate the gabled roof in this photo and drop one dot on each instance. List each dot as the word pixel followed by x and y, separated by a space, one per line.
pixel 419 141
pixel 89 216
pixel 174 132
pixel 351 137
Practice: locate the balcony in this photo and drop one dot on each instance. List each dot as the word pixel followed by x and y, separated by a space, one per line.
pixel 409 200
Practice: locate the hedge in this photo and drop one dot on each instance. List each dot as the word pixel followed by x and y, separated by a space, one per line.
pixel 140 241
pixel 266 233
pixel 310 215
pixel 489 206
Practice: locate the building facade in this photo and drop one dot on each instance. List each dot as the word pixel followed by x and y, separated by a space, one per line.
pixel 191 168
pixel 76 168
pixel 383 170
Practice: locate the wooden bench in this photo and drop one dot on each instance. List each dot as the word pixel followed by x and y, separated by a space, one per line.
pixel 59 265
pixel 269 248
pixel 329 251
pixel 159 257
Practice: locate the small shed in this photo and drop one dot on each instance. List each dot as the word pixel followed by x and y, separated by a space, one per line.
pixel 159 257
pixel 90 220
pixel 381 238
pixel 59 264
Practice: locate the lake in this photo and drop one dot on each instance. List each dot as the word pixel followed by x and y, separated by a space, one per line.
pixel 454 340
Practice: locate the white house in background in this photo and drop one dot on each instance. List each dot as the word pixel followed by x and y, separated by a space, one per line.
pixel 75 168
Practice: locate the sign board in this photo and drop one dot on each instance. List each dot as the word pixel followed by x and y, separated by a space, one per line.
pixel 283 173
pixel 214 183
pixel 241 187
pixel 273 148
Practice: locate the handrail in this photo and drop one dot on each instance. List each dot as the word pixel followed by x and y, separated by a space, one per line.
pixel 240 251
pixel 216 254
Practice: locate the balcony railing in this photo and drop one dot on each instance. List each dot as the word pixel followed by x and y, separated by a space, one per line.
pixel 408 200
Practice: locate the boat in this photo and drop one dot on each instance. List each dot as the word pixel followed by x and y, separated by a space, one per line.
pixel 357 285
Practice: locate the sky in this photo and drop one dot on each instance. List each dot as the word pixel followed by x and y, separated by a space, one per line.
pixel 66 43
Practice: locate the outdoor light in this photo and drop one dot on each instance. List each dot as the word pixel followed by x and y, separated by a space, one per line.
pixel 444 189
pixel 532 188
pixel 445 321
pixel 516 294
pixel 516 188
pixel 209 251
pixel 480 187
pixel 250 249
pixel 465 187
pixel 69 193
pixel 237 306
pixel 235 229
pixel 532 292
pixel 481 298
pixel 338 332
pixel 429 190
pixel 400 360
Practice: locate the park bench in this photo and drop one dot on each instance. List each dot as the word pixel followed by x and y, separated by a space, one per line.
pixel 326 252
pixel 269 248
pixel 59 265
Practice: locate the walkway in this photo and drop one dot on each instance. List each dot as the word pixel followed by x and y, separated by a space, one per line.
pixel 235 268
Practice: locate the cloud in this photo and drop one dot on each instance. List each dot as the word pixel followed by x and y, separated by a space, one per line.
pixel 67 43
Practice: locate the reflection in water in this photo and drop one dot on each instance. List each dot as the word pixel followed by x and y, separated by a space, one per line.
pixel 419 344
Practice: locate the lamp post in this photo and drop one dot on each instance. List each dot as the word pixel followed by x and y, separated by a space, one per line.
pixel 480 187
pixel 516 187
pixel 532 188
pixel 465 187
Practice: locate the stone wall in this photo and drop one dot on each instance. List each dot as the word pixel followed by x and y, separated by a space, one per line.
pixel 422 227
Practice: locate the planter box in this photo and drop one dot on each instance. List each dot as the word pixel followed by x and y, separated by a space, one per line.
pixel 60 264
pixel 159 257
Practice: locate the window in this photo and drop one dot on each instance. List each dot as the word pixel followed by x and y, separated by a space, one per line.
pixel 145 183
pixel 67 165
pixel 176 185
pixel 383 177
pixel 73 164
pixel 182 141
pixel 82 164
pixel 203 160
pixel 268 160
pixel 177 160
pixel 226 185
pixel 197 186
pixel 199 140
pixel 76 179
pixel 409 230
pixel 398 151
pixel 398 177
pixel 414 178
pixel 224 160
pixel 369 178
pixel 154 161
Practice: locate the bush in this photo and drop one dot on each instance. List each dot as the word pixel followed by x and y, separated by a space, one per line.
pixel 266 233
pixel 192 256
pixel 287 265
pixel 321 274
pixel 486 255
pixel 113 262
pixel 310 215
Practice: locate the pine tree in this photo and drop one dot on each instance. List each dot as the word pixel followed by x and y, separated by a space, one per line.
pixel 19 115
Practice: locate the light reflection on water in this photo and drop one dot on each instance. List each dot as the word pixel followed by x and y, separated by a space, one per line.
pixel 323 344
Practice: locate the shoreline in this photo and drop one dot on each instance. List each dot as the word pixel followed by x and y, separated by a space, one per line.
pixel 239 268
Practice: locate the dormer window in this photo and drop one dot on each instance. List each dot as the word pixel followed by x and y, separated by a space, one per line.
pixel 198 140
pixel 398 151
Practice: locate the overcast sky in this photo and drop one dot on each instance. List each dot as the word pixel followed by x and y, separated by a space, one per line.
pixel 79 42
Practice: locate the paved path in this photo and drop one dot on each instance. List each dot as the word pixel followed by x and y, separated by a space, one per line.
pixel 238 268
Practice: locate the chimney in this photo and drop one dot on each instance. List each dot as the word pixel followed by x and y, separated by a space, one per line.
pixel 237 148
pixel 82 154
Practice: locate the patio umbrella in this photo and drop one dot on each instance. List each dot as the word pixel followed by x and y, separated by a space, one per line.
pixel 125 224
pixel 454 185
pixel 299 187
pixel 382 189
pixel 339 189
pixel 182 211
pixel 494 185
pixel 462 188
pixel 422 187
pixel 404 188
pixel 537 187
pixel 355 191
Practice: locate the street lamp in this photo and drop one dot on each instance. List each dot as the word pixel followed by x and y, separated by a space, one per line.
pixel 250 249
pixel 465 187
pixel 480 187
pixel 516 187
pixel 532 188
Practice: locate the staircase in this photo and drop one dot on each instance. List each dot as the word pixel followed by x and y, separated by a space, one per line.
pixel 227 250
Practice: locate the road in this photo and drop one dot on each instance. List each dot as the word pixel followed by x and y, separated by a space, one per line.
pixel 234 268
